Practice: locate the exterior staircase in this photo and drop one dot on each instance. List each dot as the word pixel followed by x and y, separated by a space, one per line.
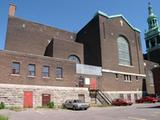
pixel 104 99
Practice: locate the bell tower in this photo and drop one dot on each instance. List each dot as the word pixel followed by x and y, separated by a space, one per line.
pixel 152 36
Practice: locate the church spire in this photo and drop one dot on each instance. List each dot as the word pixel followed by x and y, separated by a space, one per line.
pixel 150 10
pixel 152 18
pixel 152 36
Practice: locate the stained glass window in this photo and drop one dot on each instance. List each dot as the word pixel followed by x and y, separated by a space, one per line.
pixel 123 51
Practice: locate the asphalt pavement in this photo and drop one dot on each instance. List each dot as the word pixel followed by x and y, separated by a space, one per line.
pixel 134 112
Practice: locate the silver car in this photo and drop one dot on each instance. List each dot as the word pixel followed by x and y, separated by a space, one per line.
pixel 75 105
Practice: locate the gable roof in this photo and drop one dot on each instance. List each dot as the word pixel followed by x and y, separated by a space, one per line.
pixel 115 16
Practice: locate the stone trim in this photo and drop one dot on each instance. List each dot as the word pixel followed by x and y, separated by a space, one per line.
pixel 125 73
pixel 125 92
pixel 115 16
pixel 13 94
pixel 42 87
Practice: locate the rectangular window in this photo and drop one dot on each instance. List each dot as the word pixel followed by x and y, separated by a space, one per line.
pixel 59 72
pixel 45 71
pixel 15 68
pixel 129 96
pixel 116 75
pixel 81 97
pixel 130 78
pixel 136 77
pixel 31 69
pixel 127 78
pixel 121 96
pixel 135 96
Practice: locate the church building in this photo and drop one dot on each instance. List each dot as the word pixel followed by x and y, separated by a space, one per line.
pixel 100 62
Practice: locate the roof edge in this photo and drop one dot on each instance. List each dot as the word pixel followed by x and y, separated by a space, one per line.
pixel 42 24
pixel 115 16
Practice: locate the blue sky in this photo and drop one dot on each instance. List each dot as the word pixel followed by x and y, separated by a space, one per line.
pixel 72 15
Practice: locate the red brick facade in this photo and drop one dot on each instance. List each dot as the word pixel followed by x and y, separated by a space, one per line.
pixel 95 46
pixel 7 57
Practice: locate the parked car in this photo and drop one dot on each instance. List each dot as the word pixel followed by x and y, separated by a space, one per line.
pixel 121 102
pixel 75 105
pixel 146 99
pixel 158 98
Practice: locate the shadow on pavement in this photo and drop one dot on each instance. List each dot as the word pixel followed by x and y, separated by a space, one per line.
pixel 157 106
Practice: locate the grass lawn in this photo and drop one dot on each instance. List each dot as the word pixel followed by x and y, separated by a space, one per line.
pixel 3 117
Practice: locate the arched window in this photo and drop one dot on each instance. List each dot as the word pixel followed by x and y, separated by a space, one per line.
pixel 123 51
pixel 74 58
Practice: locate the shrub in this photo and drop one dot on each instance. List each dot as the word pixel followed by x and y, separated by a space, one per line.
pixel 50 105
pixel 3 117
pixel 16 108
pixel 2 105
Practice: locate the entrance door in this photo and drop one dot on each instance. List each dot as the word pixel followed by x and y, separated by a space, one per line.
pixel 93 84
pixel 28 99
pixel 81 81
pixel 46 98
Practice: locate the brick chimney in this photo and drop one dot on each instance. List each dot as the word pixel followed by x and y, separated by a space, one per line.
pixel 12 9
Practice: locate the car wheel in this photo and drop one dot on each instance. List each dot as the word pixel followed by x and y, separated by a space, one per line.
pixel 74 108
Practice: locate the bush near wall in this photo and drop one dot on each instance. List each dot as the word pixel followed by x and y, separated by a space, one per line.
pixel 50 105
pixel 2 105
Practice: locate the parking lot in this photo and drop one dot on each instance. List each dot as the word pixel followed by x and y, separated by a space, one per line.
pixel 134 112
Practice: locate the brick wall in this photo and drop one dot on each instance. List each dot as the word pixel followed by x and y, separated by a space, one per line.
pixel 30 37
pixel 109 82
pixel 111 29
pixel 90 37
pixel 156 76
pixel 100 38
pixel 6 76
pixel 149 66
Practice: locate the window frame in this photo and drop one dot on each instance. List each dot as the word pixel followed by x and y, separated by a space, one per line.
pixel 59 73
pixel 129 96
pixel 78 61
pixel 12 69
pixel 44 73
pixel 121 95
pixel 32 71
pixel 122 40
pixel 116 76
pixel 127 78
